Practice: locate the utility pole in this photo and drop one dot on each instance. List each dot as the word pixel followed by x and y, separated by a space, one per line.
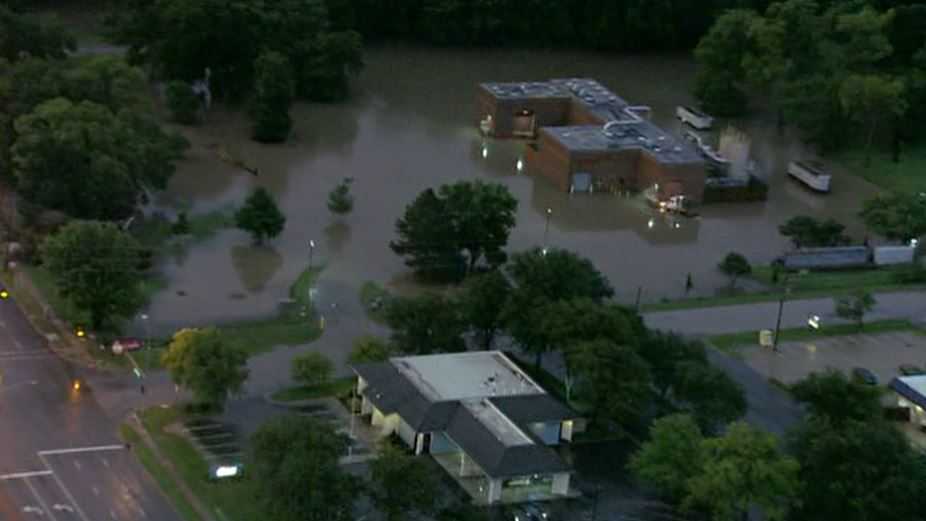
pixel 546 229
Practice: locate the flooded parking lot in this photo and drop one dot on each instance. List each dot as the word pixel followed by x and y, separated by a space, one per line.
pixel 404 132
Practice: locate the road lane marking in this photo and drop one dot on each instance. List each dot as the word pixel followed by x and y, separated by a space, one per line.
pixel 40 500
pixel 67 493
pixel 24 475
pixel 77 450
pixel 65 508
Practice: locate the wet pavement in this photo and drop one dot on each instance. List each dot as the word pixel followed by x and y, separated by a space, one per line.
pixel 402 133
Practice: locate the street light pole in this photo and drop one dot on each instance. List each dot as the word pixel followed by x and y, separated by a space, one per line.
pixel 311 252
pixel 144 318
pixel 546 228
pixel 781 306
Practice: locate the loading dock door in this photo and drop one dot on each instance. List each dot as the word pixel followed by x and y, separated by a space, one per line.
pixel 581 182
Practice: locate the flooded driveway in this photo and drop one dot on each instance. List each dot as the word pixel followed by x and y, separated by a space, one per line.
pixel 411 125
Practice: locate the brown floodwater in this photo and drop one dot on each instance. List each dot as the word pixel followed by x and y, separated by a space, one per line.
pixel 411 125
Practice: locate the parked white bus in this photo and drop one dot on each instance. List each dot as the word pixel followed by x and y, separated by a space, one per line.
pixel 694 117
pixel 810 173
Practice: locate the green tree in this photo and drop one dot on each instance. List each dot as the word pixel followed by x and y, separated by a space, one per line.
pixel 482 302
pixel 857 471
pixel 85 161
pixel 612 379
pixel 22 34
pixel 293 465
pixel 108 81
pixel 541 279
pixel 96 266
pixel 673 455
pixel 260 216
pixel 807 232
pixel 201 361
pixel 425 325
pixel 312 369
pixel 896 216
pixel 871 100
pixel 734 266
pixel 182 38
pixel 720 56
pixel 666 354
pixel 445 235
pixel 833 397
pixel 273 95
pixel 712 397
pixel 401 484
pixel 183 103
pixel 340 200
pixel 742 468
pixel 855 307
pixel 368 349
pixel 181 226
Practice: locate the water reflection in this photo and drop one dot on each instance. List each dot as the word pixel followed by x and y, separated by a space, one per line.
pixel 255 265
pixel 337 234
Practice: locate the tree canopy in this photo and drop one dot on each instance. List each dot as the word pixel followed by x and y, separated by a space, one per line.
pixel 897 216
pixel 96 266
pixel 201 361
pixel 807 232
pixel 612 379
pixel 88 162
pixel 482 303
pixel 425 325
pixel 402 484
pixel 833 397
pixel 370 349
pixel 273 95
pixel 293 463
pixel 312 368
pixel 734 266
pixel 182 38
pixel 340 200
pixel 260 216
pixel 672 456
pixel 22 34
pixel 444 235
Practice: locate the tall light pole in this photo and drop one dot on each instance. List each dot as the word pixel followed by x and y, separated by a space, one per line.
pixel 144 318
pixel 311 252
pixel 546 228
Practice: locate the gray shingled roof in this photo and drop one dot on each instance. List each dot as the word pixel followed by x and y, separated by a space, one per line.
pixel 391 392
pixel 531 408
pixel 493 457
pixel 903 389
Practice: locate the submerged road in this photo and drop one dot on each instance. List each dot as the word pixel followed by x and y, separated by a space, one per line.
pixel 60 458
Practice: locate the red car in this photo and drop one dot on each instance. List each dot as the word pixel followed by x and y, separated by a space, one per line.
pixel 127 344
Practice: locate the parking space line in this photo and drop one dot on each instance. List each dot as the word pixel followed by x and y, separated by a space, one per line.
pixel 67 493
pixel 41 501
pixel 24 475
pixel 98 448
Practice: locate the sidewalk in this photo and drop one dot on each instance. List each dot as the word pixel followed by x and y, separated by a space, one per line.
pixel 188 494
pixel 762 315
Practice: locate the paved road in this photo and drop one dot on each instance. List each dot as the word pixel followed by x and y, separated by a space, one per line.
pixel 60 458
pixel 762 315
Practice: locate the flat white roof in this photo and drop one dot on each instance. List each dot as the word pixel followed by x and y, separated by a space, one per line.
pixel 917 383
pixel 500 426
pixel 465 376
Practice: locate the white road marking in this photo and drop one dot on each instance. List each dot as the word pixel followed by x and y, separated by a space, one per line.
pixel 24 475
pixel 40 500
pixel 98 448
pixel 77 464
pixel 67 493
pixel 65 508
pixel 29 509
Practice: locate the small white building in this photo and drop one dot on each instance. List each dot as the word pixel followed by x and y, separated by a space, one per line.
pixel 483 419
pixel 911 394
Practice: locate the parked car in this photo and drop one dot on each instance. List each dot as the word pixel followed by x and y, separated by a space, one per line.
pixel 537 510
pixel 865 376
pixel 522 514
pixel 911 370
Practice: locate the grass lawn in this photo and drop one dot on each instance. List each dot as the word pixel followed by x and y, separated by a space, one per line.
pixel 814 284
pixel 234 499
pixel 334 388
pixel 732 342
pixel 159 473
pixel 904 176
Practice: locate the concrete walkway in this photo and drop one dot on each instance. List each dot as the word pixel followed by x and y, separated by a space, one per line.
pixel 762 315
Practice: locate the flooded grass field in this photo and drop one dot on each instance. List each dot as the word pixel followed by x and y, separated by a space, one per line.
pixel 410 125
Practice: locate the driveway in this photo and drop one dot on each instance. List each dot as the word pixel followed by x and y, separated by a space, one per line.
pixel 880 353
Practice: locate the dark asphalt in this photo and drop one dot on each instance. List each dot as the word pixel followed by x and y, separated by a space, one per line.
pixel 60 457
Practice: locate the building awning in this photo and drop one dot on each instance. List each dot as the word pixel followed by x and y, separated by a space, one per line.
pixel 913 388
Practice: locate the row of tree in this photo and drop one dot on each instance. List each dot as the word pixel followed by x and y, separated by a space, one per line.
pixel 842 461
pixel 595 24
pixel 827 67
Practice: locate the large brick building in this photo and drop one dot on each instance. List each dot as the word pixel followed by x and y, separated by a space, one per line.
pixel 586 138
